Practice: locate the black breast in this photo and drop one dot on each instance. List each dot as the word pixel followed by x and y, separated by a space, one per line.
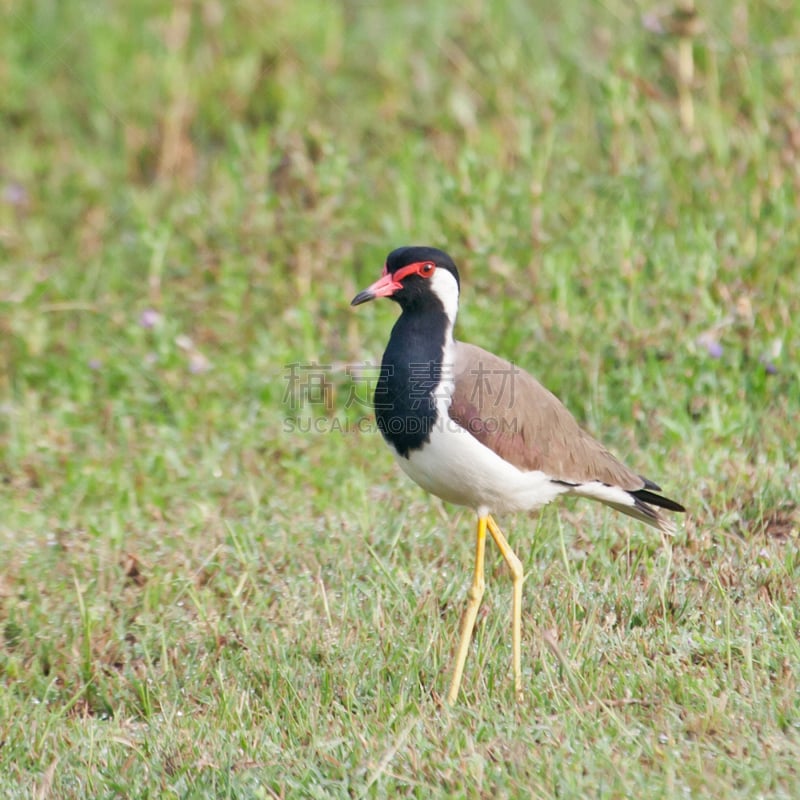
pixel 411 371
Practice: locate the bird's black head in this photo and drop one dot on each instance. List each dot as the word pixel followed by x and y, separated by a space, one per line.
pixel 415 277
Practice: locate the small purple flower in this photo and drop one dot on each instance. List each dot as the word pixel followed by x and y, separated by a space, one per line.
pixel 769 367
pixel 651 22
pixel 198 363
pixel 149 318
pixel 95 364
pixel 709 342
pixel 15 195
pixel 771 356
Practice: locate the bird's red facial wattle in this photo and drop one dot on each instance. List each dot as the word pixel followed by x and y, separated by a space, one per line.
pixel 389 283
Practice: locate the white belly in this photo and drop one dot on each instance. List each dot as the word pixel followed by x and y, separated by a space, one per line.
pixel 455 466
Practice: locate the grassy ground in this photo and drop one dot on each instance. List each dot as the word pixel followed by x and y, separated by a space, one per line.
pixel 201 597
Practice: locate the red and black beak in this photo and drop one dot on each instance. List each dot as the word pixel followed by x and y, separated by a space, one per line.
pixel 385 286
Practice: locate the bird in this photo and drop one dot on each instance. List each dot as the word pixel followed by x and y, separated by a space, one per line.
pixel 478 431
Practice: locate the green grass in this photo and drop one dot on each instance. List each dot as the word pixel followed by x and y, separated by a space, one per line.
pixel 198 598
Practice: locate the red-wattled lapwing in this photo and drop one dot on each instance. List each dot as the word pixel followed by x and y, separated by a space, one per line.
pixel 475 430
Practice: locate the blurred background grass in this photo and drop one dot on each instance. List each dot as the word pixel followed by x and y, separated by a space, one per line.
pixel 191 194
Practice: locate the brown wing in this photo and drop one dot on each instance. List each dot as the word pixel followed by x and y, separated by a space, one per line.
pixel 510 412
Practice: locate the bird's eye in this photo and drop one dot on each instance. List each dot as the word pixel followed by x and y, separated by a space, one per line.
pixel 427 270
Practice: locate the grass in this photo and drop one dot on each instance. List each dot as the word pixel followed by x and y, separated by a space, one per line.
pixel 210 590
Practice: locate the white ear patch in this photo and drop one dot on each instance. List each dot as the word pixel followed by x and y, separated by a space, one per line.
pixel 445 287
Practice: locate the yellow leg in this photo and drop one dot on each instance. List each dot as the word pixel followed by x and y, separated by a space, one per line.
pixel 473 603
pixel 515 566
